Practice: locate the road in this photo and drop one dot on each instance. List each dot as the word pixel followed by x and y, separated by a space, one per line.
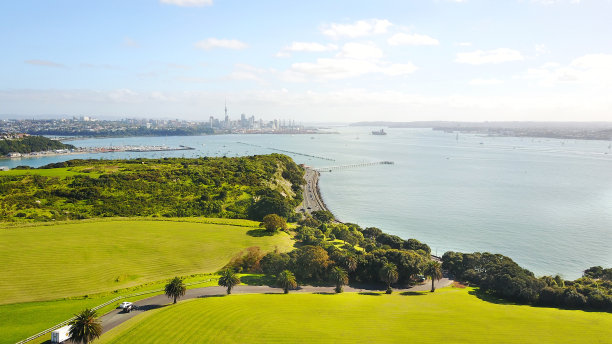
pixel 117 317
pixel 312 198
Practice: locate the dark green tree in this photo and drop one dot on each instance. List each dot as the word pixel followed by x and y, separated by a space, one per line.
pixel 229 279
pixel 85 327
pixel 339 277
pixel 433 270
pixel 175 289
pixel 286 280
pixel 273 223
pixel 388 274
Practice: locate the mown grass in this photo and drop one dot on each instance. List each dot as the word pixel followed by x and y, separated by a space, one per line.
pixel 21 320
pixel 49 262
pixel 449 315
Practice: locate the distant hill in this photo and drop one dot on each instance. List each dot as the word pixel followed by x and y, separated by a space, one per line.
pixel 559 130
pixel 31 144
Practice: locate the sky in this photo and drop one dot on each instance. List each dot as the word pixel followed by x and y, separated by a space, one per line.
pixel 311 61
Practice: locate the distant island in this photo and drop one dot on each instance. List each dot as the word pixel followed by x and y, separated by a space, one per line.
pixel 557 130
pixel 24 144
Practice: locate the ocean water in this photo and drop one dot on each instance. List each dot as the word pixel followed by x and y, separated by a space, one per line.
pixel 547 203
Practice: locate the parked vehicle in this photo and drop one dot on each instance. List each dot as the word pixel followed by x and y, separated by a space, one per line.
pixel 126 306
pixel 61 334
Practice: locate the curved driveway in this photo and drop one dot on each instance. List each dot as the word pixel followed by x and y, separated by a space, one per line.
pixel 116 317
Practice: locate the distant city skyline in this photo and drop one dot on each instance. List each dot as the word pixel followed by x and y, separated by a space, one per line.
pixel 317 61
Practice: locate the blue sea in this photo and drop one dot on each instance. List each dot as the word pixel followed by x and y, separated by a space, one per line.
pixel 547 203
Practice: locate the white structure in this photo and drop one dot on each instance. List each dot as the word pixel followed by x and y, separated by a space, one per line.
pixel 61 334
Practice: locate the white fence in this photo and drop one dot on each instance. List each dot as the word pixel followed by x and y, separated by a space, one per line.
pixel 64 323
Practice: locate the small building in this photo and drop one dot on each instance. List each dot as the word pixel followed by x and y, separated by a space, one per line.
pixel 4 168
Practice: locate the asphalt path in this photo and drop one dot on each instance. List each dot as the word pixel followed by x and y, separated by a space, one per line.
pixel 117 316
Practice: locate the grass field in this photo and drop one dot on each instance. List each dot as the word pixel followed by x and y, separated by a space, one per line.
pixel 49 262
pixel 54 172
pixel 21 320
pixel 449 315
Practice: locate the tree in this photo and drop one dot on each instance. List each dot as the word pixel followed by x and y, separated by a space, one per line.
pixel 339 277
pixel 175 289
pixel 388 274
pixel 322 215
pixel 85 327
pixel 273 263
pixel 433 270
pixel 273 223
pixel 286 280
pixel 311 262
pixel 229 279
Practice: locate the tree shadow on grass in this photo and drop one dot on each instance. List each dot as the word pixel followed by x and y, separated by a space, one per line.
pixel 258 280
pixel 490 298
pixel 258 233
pixel 370 293
pixel 147 307
pixel 207 296
pixel 412 293
pixel 324 293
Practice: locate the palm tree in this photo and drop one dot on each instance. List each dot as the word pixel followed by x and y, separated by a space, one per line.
pixel 85 327
pixel 229 279
pixel 388 274
pixel 175 289
pixel 286 280
pixel 434 271
pixel 339 277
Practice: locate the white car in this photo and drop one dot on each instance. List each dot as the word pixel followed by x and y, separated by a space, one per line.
pixel 126 306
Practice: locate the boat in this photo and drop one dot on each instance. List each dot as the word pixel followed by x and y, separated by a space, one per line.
pixel 379 132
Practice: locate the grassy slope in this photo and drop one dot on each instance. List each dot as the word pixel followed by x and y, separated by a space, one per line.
pixel 448 316
pixel 49 262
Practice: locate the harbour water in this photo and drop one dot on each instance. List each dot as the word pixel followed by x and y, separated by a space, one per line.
pixel 547 203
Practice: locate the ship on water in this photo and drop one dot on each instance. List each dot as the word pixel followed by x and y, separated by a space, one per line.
pixel 379 132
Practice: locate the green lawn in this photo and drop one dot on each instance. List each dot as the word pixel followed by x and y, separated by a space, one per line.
pixel 449 315
pixel 21 320
pixel 51 172
pixel 49 262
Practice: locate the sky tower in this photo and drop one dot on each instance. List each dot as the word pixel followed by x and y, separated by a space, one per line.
pixel 226 116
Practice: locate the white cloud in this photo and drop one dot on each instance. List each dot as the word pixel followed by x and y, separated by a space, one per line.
pixel 212 43
pixel 45 63
pixel 479 57
pixel 247 72
pixel 353 60
pixel 361 51
pixel 342 68
pixel 594 70
pixel 130 43
pixel 553 2
pixel 541 49
pixel 485 82
pixel 411 39
pixel 360 28
pixel 305 47
pixel 188 3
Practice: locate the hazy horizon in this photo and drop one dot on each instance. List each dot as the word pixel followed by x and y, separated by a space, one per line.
pixel 342 61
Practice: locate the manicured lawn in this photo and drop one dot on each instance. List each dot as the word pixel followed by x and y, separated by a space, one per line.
pixel 49 262
pixel 449 315
pixel 21 320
